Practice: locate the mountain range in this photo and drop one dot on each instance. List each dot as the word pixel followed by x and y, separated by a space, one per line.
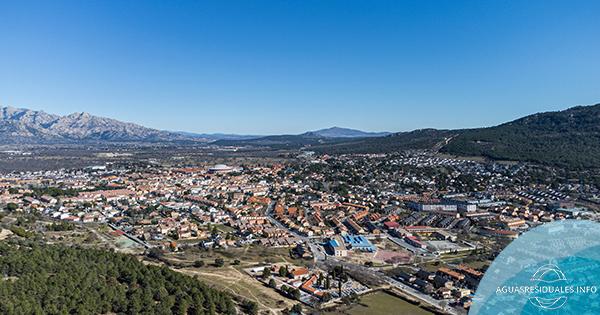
pixel 18 125
pixel 333 132
pixel 28 126
pixel 569 138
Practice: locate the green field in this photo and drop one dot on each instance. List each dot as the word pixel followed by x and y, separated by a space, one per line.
pixel 381 303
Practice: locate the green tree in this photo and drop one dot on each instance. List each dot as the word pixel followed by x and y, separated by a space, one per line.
pixel 93 281
pixel 155 253
pixel 199 263
pixel 283 271
pixel 266 273
pixel 250 307
pixel 296 309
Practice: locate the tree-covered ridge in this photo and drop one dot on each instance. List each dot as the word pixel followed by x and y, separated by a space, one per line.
pixel 55 279
pixel 418 139
pixel 569 138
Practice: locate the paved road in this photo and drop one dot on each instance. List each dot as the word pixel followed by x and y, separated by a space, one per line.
pixel 381 278
pixel 280 225
pixel 418 295
pixel 327 262
pixel 316 250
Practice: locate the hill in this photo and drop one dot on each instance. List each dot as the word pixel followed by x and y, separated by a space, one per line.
pixel 418 139
pixel 569 138
pixel 216 136
pixel 308 139
pixel 338 132
pixel 333 135
pixel 53 279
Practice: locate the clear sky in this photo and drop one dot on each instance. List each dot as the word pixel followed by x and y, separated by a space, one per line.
pixel 265 67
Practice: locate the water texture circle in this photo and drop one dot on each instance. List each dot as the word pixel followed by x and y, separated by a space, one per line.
pixel 553 269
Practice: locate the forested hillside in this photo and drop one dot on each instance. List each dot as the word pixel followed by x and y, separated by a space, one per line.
pixel 569 138
pixel 51 279
pixel 418 139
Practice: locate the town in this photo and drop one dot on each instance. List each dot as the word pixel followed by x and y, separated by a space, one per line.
pixel 308 231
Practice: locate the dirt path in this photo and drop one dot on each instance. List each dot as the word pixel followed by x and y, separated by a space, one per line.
pixel 235 280
pixel 238 283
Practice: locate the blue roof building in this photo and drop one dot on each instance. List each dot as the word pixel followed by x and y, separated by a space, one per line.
pixel 359 242
pixel 334 247
pixel 333 243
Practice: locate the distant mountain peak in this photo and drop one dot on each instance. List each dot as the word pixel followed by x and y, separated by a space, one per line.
pixel 341 132
pixel 79 114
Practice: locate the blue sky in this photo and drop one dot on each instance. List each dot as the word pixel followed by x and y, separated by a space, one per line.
pixel 265 67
